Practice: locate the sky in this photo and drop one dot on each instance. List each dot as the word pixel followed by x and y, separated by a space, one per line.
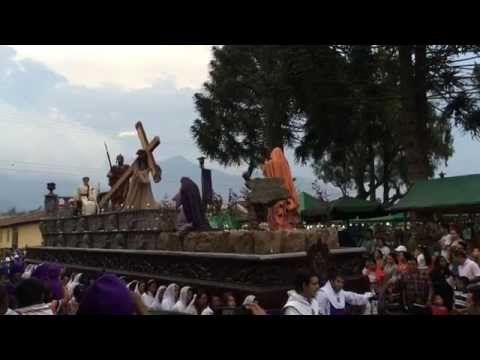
pixel 60 103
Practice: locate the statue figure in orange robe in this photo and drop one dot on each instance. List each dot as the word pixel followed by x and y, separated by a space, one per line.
pixel 284 214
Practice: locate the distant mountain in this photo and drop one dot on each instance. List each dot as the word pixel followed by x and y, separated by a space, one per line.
pixel 26 193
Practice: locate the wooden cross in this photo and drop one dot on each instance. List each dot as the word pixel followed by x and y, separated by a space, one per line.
pixel 149 147
pixel 145 145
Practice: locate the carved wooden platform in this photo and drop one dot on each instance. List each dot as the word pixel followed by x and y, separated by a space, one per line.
pixel 267 276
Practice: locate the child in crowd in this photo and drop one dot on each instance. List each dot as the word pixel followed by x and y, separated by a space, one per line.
pixel 402 259
pixel 460 295
pixel 374 274
pixel 438 307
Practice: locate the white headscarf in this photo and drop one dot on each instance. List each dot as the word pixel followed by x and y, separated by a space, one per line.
pixel 28 271
pixel 250 299
pixel 181 306
pixel 73 284
pixel 168 301
pixel 157 301
pixel 301 304
pixel 207 311
pixel 148 298
pixel 131 282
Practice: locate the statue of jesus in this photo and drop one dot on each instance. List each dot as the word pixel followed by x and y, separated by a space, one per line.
pixel 140 194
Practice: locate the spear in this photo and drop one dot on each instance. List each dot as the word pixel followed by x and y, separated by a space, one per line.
pixel 108 155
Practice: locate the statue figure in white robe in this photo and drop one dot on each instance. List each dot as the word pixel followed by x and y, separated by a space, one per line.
pixel 87 196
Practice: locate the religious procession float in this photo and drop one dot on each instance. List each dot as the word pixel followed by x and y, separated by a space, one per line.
pixel 125 231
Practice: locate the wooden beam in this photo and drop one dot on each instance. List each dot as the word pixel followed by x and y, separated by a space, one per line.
pixel 150 159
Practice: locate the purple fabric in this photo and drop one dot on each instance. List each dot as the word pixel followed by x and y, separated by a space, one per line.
pixel 192 204
pixel 10 288
pixel 41 272
pixel 207 188
pixel 107 296
pixel 17 267
pixel 53 281
pixel 4 269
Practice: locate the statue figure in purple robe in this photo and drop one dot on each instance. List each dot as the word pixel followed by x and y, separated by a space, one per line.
pixel 192 205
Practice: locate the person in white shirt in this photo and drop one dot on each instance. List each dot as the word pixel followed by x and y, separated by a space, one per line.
pixel 421 256
pixel 332 299
pixel 301 301
pixel 467 267
pixel 445 242
pixel 382 247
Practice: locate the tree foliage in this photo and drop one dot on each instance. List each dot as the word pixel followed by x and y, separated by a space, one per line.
pixel 366 117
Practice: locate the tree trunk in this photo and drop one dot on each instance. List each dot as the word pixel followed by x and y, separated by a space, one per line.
pixel 371 173
pixel 411 139
pixel 273 130
pixel 386 174
pixel 421 104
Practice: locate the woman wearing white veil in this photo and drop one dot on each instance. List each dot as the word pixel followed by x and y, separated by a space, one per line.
pixel 169 298
pixel 157 302
pixel 250 299
pixel 186 302
pixel 71 285
pixel 148 297
pixel 130 284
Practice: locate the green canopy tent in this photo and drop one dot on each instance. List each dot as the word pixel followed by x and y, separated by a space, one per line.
pixel 458 194
pixel 347 208
pixel 312 208
pixel 343 209
pixel 226 220
pixel 307 201
pixel 394 218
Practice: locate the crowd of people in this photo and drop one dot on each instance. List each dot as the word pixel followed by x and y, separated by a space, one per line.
pixel 46 289
pixel 438 280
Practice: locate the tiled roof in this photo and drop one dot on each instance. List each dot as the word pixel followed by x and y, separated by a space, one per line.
pixel 22 219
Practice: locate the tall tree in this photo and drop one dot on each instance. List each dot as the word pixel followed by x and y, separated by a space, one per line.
pixel 246 106
pixel 371 144
pixel 433 75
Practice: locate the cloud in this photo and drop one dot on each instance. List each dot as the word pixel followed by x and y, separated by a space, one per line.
pixel 56 127
pixel 127 134
pixel 127 66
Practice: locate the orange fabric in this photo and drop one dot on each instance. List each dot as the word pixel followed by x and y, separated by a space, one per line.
pixel 284 214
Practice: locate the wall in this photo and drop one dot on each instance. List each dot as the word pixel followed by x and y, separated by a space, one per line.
pixel 5 238
pixel 28 235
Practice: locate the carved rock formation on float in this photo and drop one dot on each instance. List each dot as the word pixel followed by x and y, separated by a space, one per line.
pixel 266 191
pixel 311 238
pixel 267 242
pixel 71 240
pixel 292 241
pixel 96 223
pixel 116 241
pixel 241 242
pixel 169 241
pixel 99 241
pixel 111 222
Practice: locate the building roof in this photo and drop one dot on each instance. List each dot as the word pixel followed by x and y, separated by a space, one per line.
pixel 22 219
pixel 452 194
